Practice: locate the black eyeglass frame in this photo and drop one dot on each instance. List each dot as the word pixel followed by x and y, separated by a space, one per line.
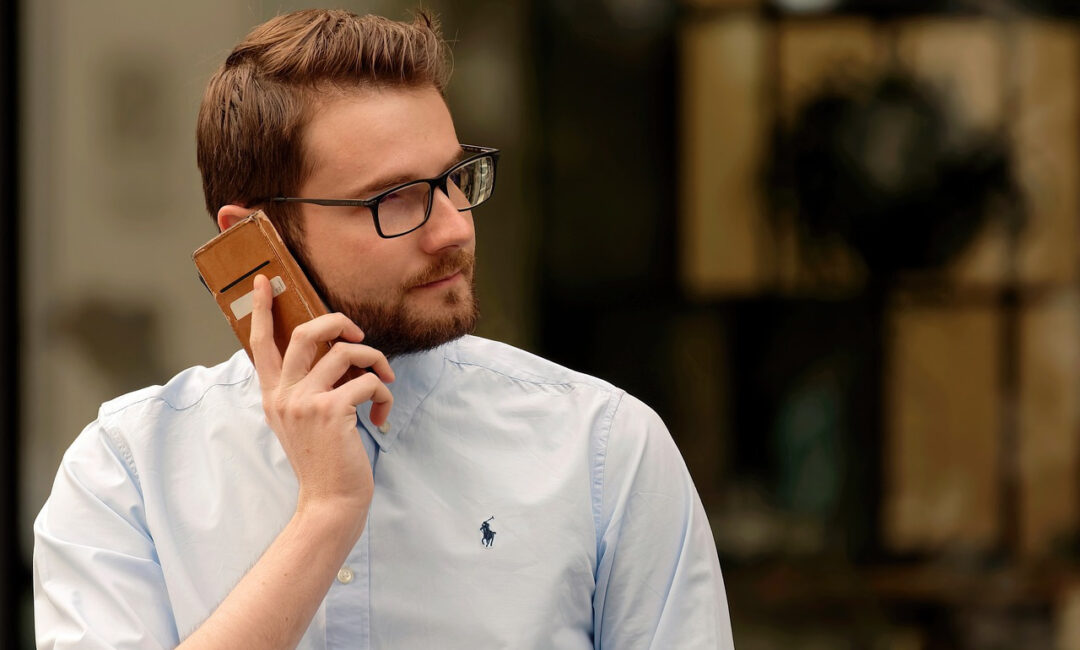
pixel 439 182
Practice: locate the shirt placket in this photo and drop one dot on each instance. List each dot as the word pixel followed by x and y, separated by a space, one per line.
pixel 348 604
pixel 348 611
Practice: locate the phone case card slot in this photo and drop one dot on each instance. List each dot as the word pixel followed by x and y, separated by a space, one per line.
pixel 241 307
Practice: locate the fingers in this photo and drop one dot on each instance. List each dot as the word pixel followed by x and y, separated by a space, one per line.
pixel 305 341
pixel 342 356
pixel 296 374
pixel 365 388
pixel 264 351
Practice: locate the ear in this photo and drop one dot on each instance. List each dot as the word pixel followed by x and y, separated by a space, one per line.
pixel 230 214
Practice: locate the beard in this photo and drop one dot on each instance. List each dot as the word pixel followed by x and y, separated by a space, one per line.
pixel 391 326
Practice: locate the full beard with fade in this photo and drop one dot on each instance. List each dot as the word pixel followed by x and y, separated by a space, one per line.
pixel 389 327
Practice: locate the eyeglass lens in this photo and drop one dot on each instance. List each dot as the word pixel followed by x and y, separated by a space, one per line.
pixel 408 207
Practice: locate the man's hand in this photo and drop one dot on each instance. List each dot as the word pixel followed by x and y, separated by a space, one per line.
pixel 314 420
pixel 316 424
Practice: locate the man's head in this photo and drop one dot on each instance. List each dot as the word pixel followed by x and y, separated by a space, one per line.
pixel 326 104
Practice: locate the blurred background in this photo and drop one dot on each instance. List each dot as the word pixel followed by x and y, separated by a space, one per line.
pixel 834 243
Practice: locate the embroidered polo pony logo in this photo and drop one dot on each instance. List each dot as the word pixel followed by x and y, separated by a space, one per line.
pixel 489 535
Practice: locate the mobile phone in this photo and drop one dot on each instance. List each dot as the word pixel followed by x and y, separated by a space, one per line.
pixel 228 264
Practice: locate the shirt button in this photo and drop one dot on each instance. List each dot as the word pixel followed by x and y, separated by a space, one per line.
pixel 384 427
pixel 345 575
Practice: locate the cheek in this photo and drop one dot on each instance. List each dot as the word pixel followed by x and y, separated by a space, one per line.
pixel 352 260
pixel 333 249
pixel 359 269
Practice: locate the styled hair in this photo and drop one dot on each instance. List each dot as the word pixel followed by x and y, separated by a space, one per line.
pixel 257 105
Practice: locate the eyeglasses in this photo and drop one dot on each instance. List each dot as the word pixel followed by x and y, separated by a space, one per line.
pixel 400 210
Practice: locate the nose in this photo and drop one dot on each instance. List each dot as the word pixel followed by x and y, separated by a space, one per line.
pixel 446 227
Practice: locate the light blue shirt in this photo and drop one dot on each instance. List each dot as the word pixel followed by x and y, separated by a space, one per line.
pixel 595 535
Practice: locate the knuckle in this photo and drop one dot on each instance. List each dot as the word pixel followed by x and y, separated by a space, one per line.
pixel 319 404
pixel 301 332
pixel 342 354
pixel 341 349
pixel 382 394
pixel 296 409
pixel 291 408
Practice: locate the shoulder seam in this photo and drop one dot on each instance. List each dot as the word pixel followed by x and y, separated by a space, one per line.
pixel 118 443
pixel 174 407
pixel 528 380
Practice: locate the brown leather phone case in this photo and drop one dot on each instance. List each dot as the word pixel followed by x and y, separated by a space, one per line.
pixel 228 265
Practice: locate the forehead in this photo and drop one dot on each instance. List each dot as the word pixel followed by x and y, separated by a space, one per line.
pixel 366 134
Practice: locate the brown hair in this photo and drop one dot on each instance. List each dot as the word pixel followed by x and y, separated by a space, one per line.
pixel 257 104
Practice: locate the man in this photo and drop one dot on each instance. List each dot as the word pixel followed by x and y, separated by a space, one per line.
pixel 265 506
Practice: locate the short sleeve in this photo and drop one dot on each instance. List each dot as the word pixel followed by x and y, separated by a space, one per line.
pixel 97 579
pixel 658 576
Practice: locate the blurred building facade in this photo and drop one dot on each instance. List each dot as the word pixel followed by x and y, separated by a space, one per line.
pixel 911 458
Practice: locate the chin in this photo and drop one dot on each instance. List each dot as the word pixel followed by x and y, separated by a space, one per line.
pixel 412 322
pixel 409 328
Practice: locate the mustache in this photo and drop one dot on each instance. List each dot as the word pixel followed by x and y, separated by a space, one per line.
pixel 448 264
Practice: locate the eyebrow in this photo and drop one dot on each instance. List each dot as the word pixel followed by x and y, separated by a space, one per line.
pixel 386 182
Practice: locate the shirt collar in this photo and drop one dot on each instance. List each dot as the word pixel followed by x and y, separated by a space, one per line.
pixel 415 375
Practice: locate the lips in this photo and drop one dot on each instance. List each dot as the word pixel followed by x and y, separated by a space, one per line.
pixel 443 280
pixel 444 271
